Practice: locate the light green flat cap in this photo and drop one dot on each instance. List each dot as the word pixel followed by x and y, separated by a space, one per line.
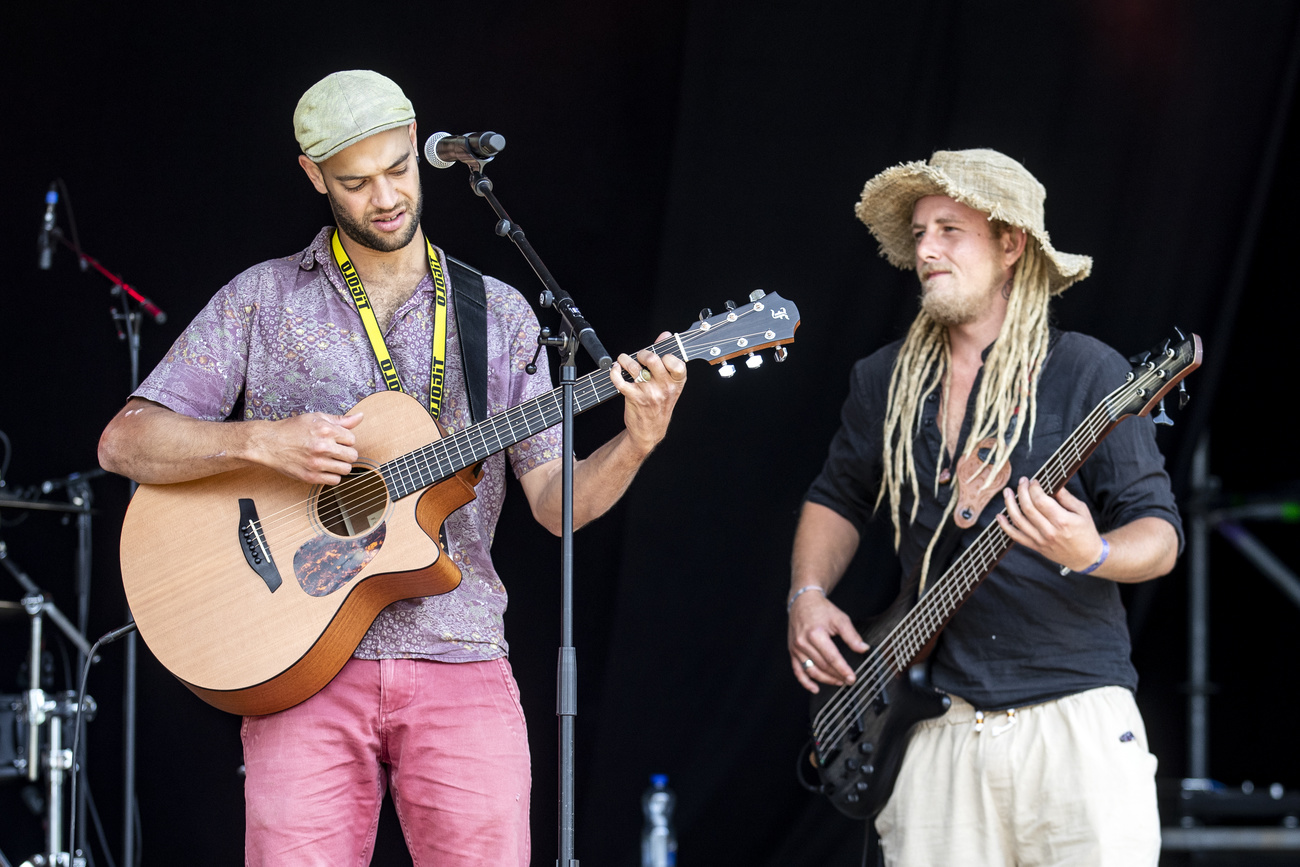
pixel 344 107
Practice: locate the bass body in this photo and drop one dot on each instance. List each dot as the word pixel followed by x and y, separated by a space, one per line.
pixel 859 769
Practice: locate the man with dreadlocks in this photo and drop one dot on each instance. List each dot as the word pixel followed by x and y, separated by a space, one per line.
pixel 1042 758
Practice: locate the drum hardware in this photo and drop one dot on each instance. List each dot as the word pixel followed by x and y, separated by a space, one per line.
pixel 45 714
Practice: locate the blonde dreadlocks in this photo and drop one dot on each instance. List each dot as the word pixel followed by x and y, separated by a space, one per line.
pixel 1007 394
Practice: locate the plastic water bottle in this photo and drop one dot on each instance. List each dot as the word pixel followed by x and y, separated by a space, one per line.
pixel 659 835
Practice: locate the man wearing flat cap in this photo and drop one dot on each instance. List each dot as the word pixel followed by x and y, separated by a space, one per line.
pixel 1042 757
pixel 265 376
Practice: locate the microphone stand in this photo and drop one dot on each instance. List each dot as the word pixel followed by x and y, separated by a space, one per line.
pixel 574 331
pixel 120 285
pixel 126 318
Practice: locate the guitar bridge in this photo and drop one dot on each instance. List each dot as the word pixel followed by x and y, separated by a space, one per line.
pixel 253 543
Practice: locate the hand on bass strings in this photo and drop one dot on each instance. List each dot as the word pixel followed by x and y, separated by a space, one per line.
pixel 814 658
pixel 1060 528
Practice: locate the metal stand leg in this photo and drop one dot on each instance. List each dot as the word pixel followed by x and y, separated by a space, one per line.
pixel 1198 618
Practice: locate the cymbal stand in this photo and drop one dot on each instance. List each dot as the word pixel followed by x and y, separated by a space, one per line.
pixel 47 710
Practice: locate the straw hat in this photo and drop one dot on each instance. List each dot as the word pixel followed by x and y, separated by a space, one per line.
pixel 344 107
pixel 981 179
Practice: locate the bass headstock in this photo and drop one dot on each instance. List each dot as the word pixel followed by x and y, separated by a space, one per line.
pixel 1155 372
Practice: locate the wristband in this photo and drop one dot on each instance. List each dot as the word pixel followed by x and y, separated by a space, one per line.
pixel 801 591
pixel 1101 558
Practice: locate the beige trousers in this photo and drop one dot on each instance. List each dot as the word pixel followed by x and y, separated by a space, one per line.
pixel 1067 782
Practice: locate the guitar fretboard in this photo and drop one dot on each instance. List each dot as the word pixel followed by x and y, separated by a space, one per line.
pixel 428 465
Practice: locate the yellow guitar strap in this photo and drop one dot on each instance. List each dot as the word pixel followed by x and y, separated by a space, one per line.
pixel 438 364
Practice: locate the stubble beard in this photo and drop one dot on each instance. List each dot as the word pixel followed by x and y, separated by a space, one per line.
pixel 367 236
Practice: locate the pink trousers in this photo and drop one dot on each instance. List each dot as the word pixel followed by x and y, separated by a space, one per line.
pixel 448 738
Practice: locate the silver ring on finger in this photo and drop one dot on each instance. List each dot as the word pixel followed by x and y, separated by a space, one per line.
pixel 807 664
pixel 644 375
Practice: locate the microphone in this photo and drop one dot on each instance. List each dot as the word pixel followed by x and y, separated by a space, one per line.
pixel 443 149
pixel 47 226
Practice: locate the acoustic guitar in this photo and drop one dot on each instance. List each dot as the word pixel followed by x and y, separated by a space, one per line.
pixel 254 589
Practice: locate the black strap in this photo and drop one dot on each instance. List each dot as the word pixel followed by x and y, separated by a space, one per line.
pixel 471 328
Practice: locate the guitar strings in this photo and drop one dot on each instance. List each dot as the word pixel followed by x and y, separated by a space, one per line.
pixel 414 471
pixel 448 453
pixel 361 494
pixel 934 608
pixel 415 465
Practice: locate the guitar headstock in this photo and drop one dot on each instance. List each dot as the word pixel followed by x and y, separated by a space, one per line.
pixel 1155 372
pixel 766 321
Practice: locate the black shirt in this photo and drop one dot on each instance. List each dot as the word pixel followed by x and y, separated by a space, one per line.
pixel 1027 634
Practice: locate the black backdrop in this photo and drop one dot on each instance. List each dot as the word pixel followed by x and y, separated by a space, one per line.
pixel 664 157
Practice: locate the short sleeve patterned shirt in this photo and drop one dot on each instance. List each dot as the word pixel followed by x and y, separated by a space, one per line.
pixel 284 338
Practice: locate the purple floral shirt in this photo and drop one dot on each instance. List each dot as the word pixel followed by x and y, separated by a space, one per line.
pixel 284 338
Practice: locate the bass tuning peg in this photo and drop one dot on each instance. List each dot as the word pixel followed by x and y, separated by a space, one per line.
pixel 1162 417
pixel 1183 396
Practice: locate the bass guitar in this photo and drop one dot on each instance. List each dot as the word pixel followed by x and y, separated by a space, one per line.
pixel 860 731
pixel 254 589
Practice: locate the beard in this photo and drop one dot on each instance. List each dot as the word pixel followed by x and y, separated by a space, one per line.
pixel 367 236
pixel 956 305
pixel 952 308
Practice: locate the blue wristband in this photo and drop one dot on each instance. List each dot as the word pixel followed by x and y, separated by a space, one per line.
pixel 1105 552
pixel 801 591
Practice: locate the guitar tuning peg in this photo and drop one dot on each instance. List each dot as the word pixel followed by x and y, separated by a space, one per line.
pixel 1179 332
pixel 780 354
pixel 1162 417
pixel 730 305
pixel 727 370
pixel 1183 396
pixel 754 361
pixel 757 295
pixel 705 313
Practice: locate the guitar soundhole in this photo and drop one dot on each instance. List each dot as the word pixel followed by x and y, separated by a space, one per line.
pixel 355 504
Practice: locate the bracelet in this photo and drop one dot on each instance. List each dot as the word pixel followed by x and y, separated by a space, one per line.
pixel 1101 558
pixel 801 591
pixel 1105 552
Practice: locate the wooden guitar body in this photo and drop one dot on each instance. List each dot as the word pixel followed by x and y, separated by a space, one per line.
pixel 215 623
